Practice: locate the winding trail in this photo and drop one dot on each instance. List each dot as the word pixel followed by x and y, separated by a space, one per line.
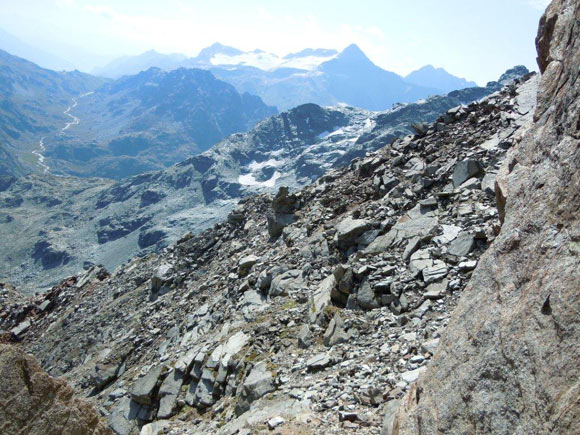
pixel 74 121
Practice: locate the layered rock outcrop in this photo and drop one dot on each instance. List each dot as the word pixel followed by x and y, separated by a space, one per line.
pixel 508 362
pixel 31 402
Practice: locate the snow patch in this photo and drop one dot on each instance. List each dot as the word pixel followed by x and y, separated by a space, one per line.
pixel 250 180
pixel 270 61
pixel 255 166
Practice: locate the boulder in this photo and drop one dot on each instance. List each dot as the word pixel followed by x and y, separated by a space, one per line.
pixel 321 298
pixel 32 402
pixel 366 297
pixel 335 333
pixel 349 229
pixel 407 228
pixel 318 362
pixel 142 390
pixel 466 169
pixel 257 384
pixel 161 278
pixel 168 392
pixel 462 245
pixel 287 283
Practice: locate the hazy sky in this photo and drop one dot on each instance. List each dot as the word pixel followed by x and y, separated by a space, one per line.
pixel 476 39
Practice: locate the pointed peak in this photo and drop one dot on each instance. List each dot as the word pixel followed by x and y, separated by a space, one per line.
pixel 354 53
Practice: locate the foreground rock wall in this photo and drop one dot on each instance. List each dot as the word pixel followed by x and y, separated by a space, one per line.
pixel 31 402
pixel 508 362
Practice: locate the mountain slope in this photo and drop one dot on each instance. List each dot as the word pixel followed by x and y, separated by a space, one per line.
pixel 507 362
pixel 150 121
pixel 305 311
pixel 437 78
pixel 32 103
pixel 107 223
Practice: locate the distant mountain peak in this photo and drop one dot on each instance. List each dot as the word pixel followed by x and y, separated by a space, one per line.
pixel 217 48
pixel 438 78
pixel 353 52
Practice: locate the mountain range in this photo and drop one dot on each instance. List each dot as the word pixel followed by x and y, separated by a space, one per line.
pixel 96 221
pixel 321 76
pixel 89 126
pixel 327 270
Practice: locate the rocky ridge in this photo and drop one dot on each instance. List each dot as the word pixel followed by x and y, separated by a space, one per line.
pixel 306 312
pixel 508 361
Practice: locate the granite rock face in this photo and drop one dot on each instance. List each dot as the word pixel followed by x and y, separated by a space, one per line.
pixel 32 402
pixel 508 362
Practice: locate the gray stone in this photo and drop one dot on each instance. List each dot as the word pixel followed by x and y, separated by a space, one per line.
pixel 366 297
pixel 349 229
pixel 422 309
pixel 450 232
pixel 420 260
pixel 277 222
pixel 287 283
pixel 318 362
pixel 462 245
pixel 466 266
pixel 321 298
pixel 471 184
pixel 430 346
pixel 273 423
pixel 143 388
pixel 304 336
pixel 264 281
pixel 389 183
pixel 103 374
pixel 412 246
pixel 168 392
pixel 335 333
pixel 257 384
pixel 367 238
pixel 123 418
pixel 412 375
pixel 465 170
pixel 235 343
pixel 488 183
pixel 44 305
pixel 407 228
pixel 246 263
pixel 435 272
pixel 22 327
pixel 203 396
pixel 161 277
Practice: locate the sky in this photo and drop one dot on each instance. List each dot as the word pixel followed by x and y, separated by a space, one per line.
pixel 474 39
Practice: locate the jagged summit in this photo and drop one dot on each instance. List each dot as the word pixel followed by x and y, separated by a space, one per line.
pixel 350 56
